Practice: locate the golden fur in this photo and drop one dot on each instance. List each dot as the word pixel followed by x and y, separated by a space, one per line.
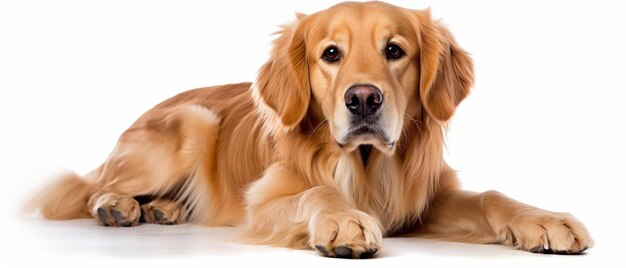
pixel 265 157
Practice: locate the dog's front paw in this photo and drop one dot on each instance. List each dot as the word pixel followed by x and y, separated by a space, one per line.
pixel 345 234
pixel 547 232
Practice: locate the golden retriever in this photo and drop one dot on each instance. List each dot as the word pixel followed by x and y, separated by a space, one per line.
pixel 337 144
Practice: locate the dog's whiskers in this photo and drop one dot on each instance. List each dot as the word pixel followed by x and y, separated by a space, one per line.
pixel 315 129
pixel 418 125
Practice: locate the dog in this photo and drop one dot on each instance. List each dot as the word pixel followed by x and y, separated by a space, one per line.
pixel 337 144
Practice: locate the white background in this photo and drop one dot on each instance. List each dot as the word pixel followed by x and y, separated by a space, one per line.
pixel 544 123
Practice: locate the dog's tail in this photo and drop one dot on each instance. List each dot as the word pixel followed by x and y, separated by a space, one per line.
pixel 65 198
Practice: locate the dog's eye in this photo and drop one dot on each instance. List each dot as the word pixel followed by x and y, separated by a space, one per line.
pixel 393 51
pixel 331 54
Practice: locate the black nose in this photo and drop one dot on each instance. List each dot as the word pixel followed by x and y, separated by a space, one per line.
pixel 363 100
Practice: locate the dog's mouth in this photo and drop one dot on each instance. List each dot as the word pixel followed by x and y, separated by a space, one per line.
pixel 364 137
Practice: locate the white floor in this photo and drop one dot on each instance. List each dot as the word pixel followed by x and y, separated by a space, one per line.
pixel 81 243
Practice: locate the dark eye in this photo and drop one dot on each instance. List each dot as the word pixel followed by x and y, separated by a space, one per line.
pixel 331 54
pixel 393 52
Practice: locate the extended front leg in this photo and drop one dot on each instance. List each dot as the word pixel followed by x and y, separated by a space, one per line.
pixel 284 211
pixel 491 217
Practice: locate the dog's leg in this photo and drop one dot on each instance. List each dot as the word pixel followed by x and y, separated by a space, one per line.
pixel 491 217
pixel 160 154
pixel 283 210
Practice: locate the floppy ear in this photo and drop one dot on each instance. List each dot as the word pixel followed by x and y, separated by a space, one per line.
pixel 446 70
pixel 283 83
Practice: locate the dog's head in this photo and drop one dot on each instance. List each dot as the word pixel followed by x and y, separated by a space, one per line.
pixel 365 68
